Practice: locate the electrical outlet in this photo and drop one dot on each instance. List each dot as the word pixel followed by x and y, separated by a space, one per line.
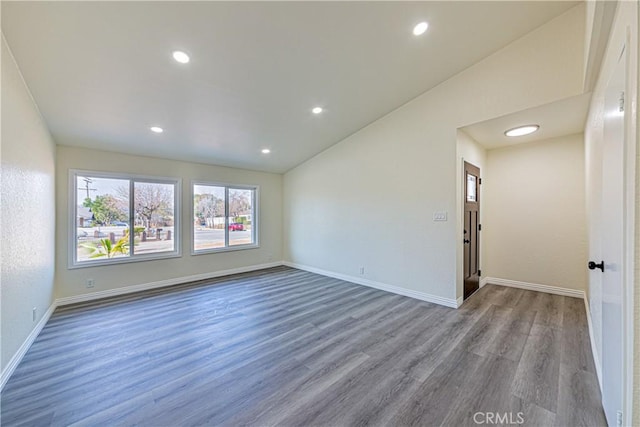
pixel 362 271
pixel 91 283
pixel 34 314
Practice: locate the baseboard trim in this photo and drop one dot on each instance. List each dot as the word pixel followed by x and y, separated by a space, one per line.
pixel 161 284
pixel 447 302
pixel 594 352
pixel 17 357
pixel 483 282
pixel 536 287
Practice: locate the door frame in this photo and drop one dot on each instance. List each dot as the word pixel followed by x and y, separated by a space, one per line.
pixel 623 41
pixel 629 223
pixel 459 222
pixel 478 224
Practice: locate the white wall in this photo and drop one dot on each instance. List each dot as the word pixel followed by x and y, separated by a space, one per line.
pixel 72 282
pixel 625 23
pixel 336 204
pixel 468 150
pixel 27 227
pixel 535 216
pixel 636 292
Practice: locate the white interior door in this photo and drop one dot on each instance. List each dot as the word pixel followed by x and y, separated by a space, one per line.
pixel 612 244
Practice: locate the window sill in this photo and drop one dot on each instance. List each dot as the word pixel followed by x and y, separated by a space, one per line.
pixel 227 249
pixel 112 261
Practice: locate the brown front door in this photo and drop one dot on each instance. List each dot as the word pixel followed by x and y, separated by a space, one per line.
pixel 471 228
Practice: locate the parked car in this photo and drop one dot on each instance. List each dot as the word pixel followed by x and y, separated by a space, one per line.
pixel 236 226
pixel 120 224
pixel 82 234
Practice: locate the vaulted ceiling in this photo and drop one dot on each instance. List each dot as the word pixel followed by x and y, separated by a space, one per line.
pixel 102 73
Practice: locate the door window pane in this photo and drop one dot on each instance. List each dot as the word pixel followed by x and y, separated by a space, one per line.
pixel 208 216
pixel 471 188
pixel 240 216
pixel 154 217
pixel 101 218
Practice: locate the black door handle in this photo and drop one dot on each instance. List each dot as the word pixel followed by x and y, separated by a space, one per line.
pixel 466 241
pixel 593 265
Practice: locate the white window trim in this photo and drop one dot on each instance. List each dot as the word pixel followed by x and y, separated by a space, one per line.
pixel 255 226
pixel 73 262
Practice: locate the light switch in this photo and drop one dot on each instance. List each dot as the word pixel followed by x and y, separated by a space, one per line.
pixel 440 216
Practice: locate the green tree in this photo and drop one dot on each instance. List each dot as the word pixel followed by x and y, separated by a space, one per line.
pixel 106 209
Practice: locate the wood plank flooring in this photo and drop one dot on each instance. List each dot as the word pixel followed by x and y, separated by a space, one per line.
pixel 291 348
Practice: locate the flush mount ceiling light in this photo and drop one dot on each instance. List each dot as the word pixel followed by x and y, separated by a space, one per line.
pixel 180 56
pixel 522 130
pixel 265 151
pixel 156 129
pixel 419 29
pixel 316 110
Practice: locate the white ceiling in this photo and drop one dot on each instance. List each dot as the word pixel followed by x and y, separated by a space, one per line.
pixel 563 117
pixel 102 73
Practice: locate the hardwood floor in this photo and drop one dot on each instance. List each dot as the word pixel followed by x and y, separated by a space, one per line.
pixel 287 347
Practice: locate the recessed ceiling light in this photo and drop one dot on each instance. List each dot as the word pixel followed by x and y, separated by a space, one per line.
pixel 181 57
pixel 420 28
pixel 522 130
pixel 156 129
pixel 265 151
pixel 316 110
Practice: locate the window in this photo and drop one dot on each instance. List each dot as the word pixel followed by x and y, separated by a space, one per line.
pixel 224 217
pixel 106 207
pixel 471 188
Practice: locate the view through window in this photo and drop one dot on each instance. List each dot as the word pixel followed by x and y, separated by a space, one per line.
pixel 108 208
pixel 223 217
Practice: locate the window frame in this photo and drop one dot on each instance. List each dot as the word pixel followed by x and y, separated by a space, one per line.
pixel 255 217
pixel 72 233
